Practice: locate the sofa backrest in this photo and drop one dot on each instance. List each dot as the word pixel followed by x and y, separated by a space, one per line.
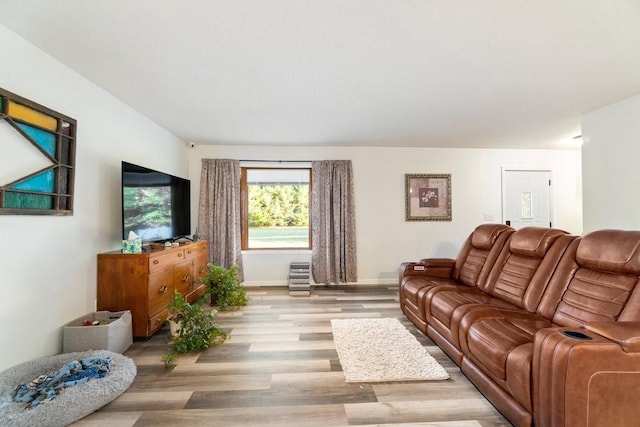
pixel 479 253
pixel 526 265
pixel 603 285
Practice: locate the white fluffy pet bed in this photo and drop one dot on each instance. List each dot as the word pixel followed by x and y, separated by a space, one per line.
pixel 74 402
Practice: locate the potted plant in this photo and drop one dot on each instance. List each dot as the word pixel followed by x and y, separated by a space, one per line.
pixel 224 287
pixel 195 330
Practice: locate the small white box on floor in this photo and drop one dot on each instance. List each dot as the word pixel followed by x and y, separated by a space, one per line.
pixel 114 336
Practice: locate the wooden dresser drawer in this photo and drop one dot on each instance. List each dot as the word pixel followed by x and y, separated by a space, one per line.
pixel 157 320
pixel 196 292
pixel 195 250
pixel 162 260
pixel 160 289
pixel 200 266
pixel 159 304
pixel 183 276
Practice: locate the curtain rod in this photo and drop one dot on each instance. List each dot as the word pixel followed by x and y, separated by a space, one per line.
pixel 279 161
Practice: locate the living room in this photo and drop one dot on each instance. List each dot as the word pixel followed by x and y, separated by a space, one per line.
pixel 50 261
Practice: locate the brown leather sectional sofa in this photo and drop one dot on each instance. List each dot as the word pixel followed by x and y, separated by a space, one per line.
pixel 545 324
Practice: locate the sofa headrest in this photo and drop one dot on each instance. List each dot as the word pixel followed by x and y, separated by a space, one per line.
pixel 615 251
pixel 534 241
pixel 485 235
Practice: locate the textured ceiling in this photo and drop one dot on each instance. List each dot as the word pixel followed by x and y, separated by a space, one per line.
pixel 508 73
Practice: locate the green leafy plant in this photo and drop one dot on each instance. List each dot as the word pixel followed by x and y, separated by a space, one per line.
pixel 224 287
pixel 169 359
pixel 196 330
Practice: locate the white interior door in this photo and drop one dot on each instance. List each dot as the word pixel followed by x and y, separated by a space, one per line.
pixel 526 198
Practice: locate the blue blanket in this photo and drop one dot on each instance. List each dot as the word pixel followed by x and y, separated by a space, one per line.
pixel 47 387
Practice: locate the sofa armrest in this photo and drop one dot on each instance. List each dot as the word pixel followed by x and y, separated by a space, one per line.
pixel 626 334
pixel 430 267
pixel 438 262
pixel 581 377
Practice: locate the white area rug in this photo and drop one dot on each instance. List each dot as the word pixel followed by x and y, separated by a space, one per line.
pixel 378 350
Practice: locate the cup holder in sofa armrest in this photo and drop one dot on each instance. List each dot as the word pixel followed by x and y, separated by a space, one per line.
pixel 577 335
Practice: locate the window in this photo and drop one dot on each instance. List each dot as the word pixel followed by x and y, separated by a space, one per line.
pixel 275 208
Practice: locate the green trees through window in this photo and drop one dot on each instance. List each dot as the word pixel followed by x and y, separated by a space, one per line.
pixel 279 205
pixel 277 213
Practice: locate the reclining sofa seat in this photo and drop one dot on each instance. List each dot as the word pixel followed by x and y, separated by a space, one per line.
pixel 517 281
pixel 592 376
pixel 535 367
pixel 575 359
pixel 474 261
pixel 502 369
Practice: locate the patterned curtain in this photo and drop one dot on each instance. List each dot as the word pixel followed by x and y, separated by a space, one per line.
pixel 219 212
pixel 333 223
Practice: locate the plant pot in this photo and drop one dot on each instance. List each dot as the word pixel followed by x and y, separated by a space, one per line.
pixel 173 328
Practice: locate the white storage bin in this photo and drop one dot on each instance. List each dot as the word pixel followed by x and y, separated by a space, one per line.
pixel 114 336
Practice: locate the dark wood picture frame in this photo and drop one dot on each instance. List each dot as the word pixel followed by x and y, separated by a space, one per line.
pixel 428 197
pixel 49 190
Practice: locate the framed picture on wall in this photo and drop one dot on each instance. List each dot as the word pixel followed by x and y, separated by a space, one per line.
pixel 428 197
pixel 39 145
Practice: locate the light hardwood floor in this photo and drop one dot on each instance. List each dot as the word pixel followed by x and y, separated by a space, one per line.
pixel 280 368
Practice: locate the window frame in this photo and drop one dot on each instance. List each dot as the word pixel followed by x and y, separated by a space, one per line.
pixel 244 207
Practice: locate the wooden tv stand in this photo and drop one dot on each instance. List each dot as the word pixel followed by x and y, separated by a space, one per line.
pixel 144 283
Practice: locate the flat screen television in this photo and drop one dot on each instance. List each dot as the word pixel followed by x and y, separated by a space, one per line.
pixel 155 205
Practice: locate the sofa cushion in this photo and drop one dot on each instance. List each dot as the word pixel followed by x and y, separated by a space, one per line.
pixel 614 251
pixel 523 279
pixel 606 278
pixel 472 267
pixel 412 291
pixel 485 235
pixel 491 340
pixel 477 257
pixel 517 280
pixel 448 307
pixel 445 301
pixel 502 347
pixel 594 296
pixel 534 242
pixel 412 286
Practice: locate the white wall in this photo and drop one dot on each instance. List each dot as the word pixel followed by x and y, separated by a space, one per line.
pixel 384 238
pixel 48 263
pixel 610 153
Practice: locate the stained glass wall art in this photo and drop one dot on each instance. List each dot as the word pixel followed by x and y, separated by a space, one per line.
pixel 37 158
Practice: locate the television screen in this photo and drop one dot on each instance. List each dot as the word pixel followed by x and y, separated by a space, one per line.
pixel 155 205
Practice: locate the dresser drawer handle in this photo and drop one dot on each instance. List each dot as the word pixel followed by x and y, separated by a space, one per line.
pixel 155 261
pixel 180 255
pixel 203 269
pixel 189 251
pixel 163 289
pixel 185 277
pixel 159 320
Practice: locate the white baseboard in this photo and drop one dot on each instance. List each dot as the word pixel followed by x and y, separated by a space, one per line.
pixel 254 283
